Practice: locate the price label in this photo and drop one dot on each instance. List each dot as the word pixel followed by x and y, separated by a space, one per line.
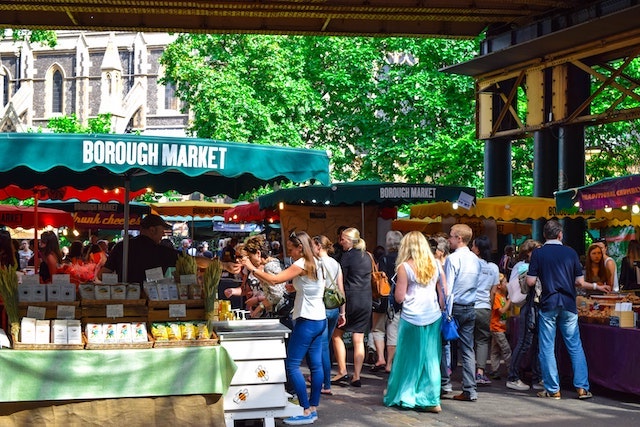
pixel 30 280
pixel 177 310
pixel 187 279
pixel 36 312
pixel 154 274
pixel 109 278
pixel 66 312
pixel 60 279
pixel 115 310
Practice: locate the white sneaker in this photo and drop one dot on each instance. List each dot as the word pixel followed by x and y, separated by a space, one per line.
pixel 517 385
pixel 538 386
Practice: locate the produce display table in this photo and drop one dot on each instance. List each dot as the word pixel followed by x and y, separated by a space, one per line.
pixel 611 354
pixel 98 374
pixel 64 375
pixel 612 357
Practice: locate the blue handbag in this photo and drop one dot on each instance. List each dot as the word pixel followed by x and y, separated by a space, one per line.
pixel 448 325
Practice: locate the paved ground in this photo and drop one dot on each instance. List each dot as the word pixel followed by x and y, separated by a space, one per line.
pixel 496 406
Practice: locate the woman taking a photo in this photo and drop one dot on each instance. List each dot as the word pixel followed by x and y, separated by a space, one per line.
pixel 309 317
pixel 414 381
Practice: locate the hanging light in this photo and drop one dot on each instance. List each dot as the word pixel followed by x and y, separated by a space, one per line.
pixel 454 205
pixel 607 209
pixel 635 209
pixel 624 208
pixel 281 205
pixel 76 233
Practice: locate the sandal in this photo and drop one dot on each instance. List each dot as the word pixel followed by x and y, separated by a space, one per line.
pixel 377 368
pixel 326 392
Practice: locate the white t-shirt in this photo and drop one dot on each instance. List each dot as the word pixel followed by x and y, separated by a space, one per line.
pixel 420 306
pixel 309 292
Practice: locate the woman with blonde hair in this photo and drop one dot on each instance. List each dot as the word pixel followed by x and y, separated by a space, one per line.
pixel 414 381
pixel 356 270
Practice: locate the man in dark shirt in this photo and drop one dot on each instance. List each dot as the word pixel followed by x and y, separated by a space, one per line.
pixel 145 252
pixel 559 270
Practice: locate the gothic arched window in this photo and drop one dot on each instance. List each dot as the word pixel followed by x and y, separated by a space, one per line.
pixel 56 92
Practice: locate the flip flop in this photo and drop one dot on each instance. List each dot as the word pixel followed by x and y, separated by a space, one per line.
pixel 344 380
pixel 327 392
pixel 377 368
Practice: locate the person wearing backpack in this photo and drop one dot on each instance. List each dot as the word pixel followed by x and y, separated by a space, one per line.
pixel 527 346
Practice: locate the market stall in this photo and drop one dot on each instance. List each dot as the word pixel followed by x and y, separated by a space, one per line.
pixel 136 162
pixel 370 206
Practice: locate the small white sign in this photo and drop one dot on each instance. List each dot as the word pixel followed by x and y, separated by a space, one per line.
pixel 465 200
pixel 60 279
pixel 188 279
pixel 109 278
pixel 154 274
pixel 36 312
pixel 177 310
pixel 66 312
pixel 30 280
pixel 115 310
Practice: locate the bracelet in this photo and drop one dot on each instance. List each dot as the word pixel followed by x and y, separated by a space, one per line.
pixel 342 314
pixel 261 305
pixel 595 286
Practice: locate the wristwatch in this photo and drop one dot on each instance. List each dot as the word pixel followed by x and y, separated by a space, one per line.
pixel 595 286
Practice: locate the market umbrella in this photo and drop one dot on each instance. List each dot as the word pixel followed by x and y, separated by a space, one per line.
pixel 136 162
pixel 26 217
pixel 505 208
pixel 250 212
pixel 435 225
pixel 94 193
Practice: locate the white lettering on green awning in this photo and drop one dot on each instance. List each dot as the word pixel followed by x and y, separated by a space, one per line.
pixel 407 192
pixel 152 154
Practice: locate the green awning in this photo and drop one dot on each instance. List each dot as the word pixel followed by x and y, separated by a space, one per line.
pixel 366 192
pixel 160 163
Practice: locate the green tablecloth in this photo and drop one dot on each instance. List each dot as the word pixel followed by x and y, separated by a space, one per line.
pixel 28 375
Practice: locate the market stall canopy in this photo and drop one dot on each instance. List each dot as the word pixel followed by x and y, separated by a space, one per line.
pixel 505 208
pixel 191 208
pixel 606 193
pixel 25 217
pixel 436 225
pixel 364 192
pixel 161 163
pixel 94 193
pixel 250 212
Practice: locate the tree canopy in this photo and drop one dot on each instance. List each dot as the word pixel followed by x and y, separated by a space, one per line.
pixel 379 105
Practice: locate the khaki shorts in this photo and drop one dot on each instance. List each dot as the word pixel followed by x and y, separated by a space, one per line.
pixel 392 329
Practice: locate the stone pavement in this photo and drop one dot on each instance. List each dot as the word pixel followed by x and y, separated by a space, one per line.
pixel 496 406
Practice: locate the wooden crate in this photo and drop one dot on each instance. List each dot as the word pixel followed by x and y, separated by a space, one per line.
pixel 95 311
pixel 51 308
pixel 159 310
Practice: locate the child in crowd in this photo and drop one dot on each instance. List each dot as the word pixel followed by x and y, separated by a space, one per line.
pixel 500 348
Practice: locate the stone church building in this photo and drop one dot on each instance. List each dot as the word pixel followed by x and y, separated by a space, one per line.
pixel 86 74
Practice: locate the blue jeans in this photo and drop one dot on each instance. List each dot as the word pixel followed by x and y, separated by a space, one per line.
pixel 332 321
pixel 306 338
pixel 465 315
pixel 527 342
pixel 567 322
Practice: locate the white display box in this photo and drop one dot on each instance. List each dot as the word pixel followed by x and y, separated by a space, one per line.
pixel 94 333
pixel 28 330
pixel 24 292
pixel 87 291
pixel 102 292
pixel 125 333
pixel 133 291
pixel 119 291
pixel 43 331
pixel 59 331
pixel 74 331
pixel 53 292
pixel 38 293
pixel 68 292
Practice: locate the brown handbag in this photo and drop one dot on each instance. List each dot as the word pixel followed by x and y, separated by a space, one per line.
pixel 380 286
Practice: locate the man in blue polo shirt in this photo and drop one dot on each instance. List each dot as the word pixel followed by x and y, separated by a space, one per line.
pixel 559 270
pixel 462 270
